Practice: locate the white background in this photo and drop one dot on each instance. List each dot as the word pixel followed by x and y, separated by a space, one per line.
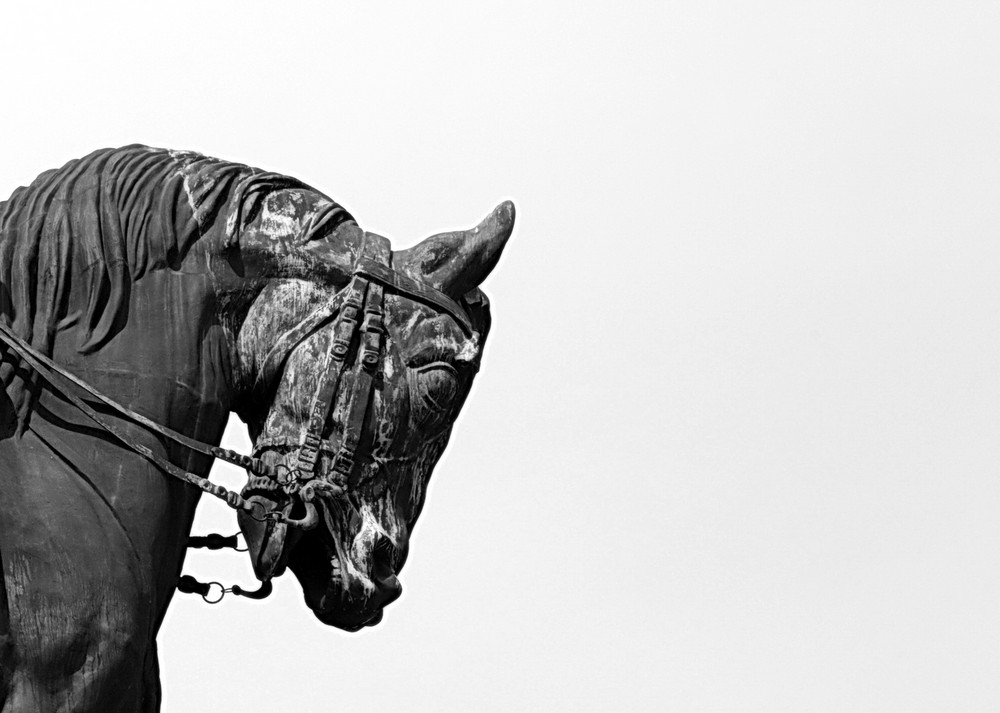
pixel 734 445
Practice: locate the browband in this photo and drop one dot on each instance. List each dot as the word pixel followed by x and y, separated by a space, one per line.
pixel 420 291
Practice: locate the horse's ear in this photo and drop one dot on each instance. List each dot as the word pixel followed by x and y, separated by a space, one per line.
pixel 458 262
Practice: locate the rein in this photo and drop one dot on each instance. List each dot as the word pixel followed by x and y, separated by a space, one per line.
pixel 51 372
pixel 361 314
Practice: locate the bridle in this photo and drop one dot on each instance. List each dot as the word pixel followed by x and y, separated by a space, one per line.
pixel 358 312
pixel 360 317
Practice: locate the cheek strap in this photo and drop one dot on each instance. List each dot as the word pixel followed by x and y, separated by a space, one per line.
pixel 359 325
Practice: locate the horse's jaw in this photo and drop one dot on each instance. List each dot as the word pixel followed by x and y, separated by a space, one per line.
pixel 340 590
pixel 347 590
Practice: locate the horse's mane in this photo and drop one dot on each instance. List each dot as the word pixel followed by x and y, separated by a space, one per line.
pixel 108 219
pixel 73 242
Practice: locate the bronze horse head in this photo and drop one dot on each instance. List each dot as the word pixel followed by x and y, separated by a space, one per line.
pixel 348 564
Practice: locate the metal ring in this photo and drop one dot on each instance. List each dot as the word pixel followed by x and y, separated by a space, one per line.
pixel 263 518
pixel 222 593
pixel 284 473
pixel 237 536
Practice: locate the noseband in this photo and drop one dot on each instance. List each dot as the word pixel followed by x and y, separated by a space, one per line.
pixel 361 316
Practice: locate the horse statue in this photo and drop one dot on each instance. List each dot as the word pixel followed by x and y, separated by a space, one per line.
pixel 144 295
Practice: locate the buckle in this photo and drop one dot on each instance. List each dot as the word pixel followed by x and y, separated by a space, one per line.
pixel 342 338
pixel 343 463
pixel 372 348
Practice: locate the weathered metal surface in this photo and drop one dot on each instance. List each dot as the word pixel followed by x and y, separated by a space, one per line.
pixel 166 280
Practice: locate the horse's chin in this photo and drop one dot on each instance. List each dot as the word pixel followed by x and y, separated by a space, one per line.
pixel 347 623
pixel 334 598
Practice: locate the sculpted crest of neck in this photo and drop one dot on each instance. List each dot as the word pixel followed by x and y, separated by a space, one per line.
pixel 293 233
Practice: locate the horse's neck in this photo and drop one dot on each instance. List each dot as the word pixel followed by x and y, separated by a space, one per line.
pixel 171 360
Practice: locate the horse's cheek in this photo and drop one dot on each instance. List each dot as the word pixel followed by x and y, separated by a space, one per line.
pixel 391 416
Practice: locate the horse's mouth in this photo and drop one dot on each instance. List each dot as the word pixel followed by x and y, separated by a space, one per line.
pixel 336 620
pixel 343 587
pixel 338 597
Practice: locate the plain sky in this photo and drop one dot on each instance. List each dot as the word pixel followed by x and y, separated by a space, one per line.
pixel 734 444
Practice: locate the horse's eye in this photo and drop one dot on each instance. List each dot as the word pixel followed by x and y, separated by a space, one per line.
pixel 433 389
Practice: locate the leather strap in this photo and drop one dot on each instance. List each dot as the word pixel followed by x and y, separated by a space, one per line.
pixel 377 270
pixel 398 282
pixel 369 351
pixel 326 389
pixel 35 357
pixel 369 356
pixel 231 498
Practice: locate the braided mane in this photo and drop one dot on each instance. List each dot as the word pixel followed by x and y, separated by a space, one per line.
pixel 73 242
pixel 108 219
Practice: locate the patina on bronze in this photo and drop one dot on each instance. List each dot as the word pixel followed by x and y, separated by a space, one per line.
pixel 144 295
